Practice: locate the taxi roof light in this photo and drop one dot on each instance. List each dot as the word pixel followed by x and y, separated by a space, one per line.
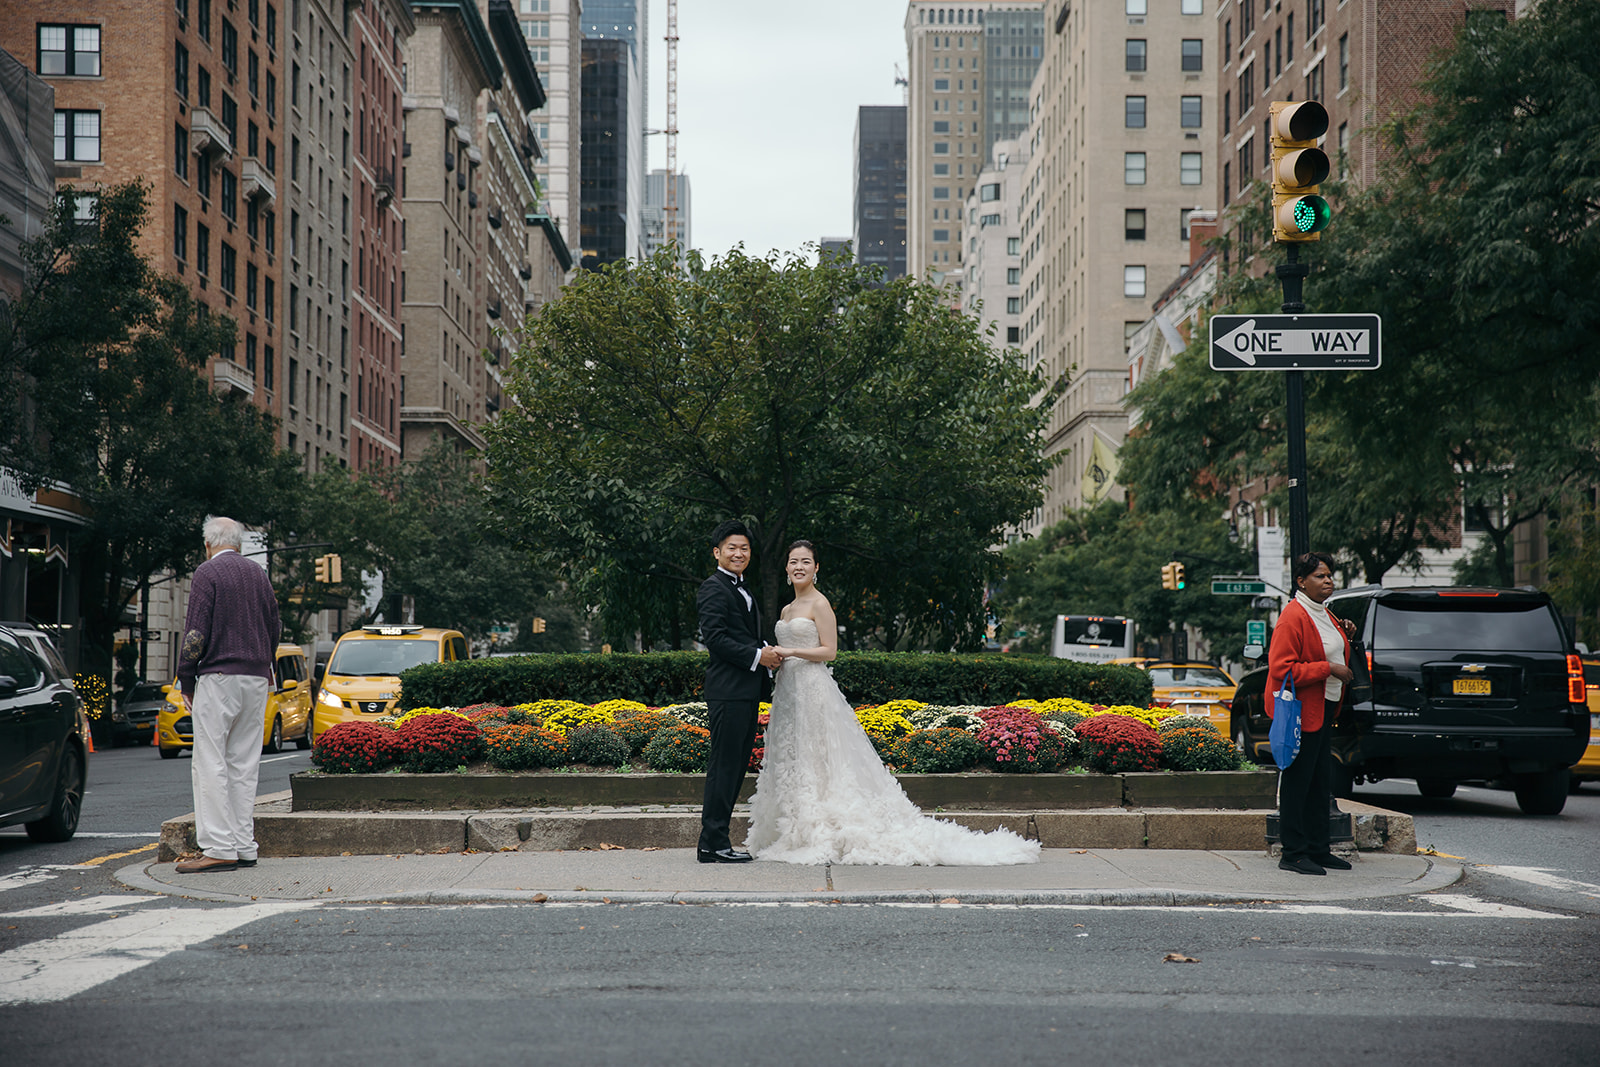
pixel 390 629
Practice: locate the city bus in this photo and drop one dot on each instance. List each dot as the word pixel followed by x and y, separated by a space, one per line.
pixel 1092 638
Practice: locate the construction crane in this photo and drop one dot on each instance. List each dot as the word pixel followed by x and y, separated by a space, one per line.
pixel 672 124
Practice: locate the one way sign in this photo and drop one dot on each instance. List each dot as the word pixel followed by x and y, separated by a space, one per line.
pixel 1295 342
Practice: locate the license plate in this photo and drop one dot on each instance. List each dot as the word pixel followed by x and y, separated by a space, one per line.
pixel 1470 687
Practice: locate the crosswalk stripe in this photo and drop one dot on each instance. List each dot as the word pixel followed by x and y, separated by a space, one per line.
pixel 1474 906
pixel 81 959
pixel 86 906
pixel 1540 876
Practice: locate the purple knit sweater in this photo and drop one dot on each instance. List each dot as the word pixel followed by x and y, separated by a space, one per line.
pixel 232 626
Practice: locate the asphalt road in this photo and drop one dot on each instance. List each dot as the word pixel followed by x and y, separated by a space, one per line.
pixel 90 966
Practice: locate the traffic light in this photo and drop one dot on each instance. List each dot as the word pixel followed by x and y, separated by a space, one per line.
pixel 1177 574
pixel 1298 169
pixel 322 569
pixel 330 570
pixel 538 625
pixel 1169 576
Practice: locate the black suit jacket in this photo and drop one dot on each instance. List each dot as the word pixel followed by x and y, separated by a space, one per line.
pixel 733 634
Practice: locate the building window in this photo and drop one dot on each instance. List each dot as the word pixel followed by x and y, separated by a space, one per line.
pixel 942 126
pixel 941 192
pixel 272 27
pixel 1013 305
pixel 230 194
pixel 250 353
pixel 1344 62
pixel 180 233
pixel 1194 7
pixel 941 148
pixel 230 266
pixel 72 51
pixel 989 192
pixel 1190 168
pixel 941 170
pixel 251 281
pixel 203 20
pixel 1136 54
pixel 203 86
pixel 1013 246
pixel 269 224
pixel 1133 224
pixel 78 136
pixel 1189 116
pixel 1247 159
pixel 180 151
pixel 230 48
pixel 1132 281
pixel 268 358
pixel 1227 185
pixel 1133 168
pixel 180 71
pixel 230 118
pixel 1194 54
pixel 1183 222
pixel 202 181
pixel 1288 37
pixel 269 298
pixel 1314 83
pixel 1133 112
pixel 253 75
pixel 941 85
pixel 1247 20
pixel 202 248
pixel 1247 89
pixel 1137 7
pixel 1316 12
pixel 1344 148
pixel 1013 275
pixel 940 236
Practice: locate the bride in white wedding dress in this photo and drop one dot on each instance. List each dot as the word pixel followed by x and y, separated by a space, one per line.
pixel 824 795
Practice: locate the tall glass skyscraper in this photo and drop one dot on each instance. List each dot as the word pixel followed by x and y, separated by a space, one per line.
pixel 622 20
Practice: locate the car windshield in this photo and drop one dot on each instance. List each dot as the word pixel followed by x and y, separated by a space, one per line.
pixel 1487 626
pixel 1203 677
pixel 377 656
pixel 144 693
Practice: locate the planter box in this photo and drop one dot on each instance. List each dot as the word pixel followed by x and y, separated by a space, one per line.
pixel 956 792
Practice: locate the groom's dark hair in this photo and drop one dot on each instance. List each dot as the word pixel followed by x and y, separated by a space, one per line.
pixel 729 529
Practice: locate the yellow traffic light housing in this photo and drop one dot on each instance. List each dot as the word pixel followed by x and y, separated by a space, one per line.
pixel 1177 575
pixel 322 569
pixel 335 570
pixel 1169 576
pixel 538 625
pixel 1299 168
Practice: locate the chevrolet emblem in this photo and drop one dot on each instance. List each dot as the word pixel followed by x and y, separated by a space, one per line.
pixel 1474 668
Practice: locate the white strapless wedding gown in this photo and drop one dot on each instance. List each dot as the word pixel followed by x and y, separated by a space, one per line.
pixel 824 795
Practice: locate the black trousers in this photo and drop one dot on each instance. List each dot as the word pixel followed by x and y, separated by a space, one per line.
pixel 1305 790
pixel 733 737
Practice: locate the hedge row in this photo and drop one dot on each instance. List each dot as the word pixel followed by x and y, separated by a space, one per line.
pixel 662 678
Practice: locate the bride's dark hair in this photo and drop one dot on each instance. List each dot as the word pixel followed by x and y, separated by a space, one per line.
pixel 807 545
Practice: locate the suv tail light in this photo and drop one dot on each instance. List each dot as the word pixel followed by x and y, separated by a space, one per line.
pixel 1575 693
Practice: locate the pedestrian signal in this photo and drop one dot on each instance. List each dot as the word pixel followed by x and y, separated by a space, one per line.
pixel 1298 169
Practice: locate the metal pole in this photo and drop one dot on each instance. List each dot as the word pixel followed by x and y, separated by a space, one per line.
pixel 1292 275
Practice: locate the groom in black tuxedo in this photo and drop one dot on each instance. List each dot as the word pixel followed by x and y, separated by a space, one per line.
pixel 738 678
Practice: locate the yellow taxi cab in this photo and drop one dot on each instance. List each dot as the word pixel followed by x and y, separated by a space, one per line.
pixel 362 681
pixel 288 715
pixel 1587 769
pixel 1196 689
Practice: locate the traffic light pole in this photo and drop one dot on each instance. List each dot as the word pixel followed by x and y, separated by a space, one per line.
pixel 1292 275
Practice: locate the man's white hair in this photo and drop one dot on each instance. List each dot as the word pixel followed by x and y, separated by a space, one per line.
pixel 222 532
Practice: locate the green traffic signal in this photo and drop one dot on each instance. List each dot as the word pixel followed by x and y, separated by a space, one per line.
pixel 1309 214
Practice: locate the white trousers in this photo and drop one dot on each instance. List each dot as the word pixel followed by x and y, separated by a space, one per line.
pixel 228 712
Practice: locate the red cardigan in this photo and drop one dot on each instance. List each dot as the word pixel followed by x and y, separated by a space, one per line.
pixel 1297 644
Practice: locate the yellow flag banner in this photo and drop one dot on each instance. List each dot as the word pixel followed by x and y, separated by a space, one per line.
pixel 1101 471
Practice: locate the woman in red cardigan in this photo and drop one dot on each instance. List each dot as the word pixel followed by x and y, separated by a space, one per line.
pixel 1314 647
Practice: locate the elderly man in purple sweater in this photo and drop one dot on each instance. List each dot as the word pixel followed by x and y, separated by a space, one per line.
pixel 225 670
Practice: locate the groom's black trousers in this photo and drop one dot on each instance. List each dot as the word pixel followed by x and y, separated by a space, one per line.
pixel 733 736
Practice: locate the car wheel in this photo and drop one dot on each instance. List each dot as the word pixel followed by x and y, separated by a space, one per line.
pixel 1542 794
pixel 1436 788
pixel 167 753
pixel 303 742
pixel 62 821
pixel 275 739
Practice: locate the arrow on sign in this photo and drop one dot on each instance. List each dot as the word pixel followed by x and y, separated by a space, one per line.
pixel 1246 342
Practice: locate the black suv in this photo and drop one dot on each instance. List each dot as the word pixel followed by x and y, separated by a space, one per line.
pixel 1465 683
pixel 43 745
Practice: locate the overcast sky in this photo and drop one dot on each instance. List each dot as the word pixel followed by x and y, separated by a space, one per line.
pixel 767 98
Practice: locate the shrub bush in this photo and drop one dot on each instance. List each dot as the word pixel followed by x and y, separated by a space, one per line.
pixel 619 708
pixel 966 719
pixel 1151 717
pixel 940 751
pixel 1071 748
pixel 694 714
pixel 1198 748
pixel 1017 740
pixel 679 748
pixel 1065 718
pixel 1184 722
pixel 637 730
pixel 1050 708
pixel 570 716
pixel 524 747
pixel 1115 744
pixel 598 746
pixel 661 678
pixel 884 720
pixel 354 748
pixel 428 744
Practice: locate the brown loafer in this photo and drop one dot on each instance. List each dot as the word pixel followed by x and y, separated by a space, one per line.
pixel 206 863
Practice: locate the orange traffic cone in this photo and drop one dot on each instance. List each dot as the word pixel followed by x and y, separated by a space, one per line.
pixel 89 737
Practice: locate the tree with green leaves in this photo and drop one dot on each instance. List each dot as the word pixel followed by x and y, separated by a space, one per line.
pixel 810 401
pixel 117 406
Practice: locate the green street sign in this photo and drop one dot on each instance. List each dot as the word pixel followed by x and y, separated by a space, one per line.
pixel 1238 586
pixel 1255 632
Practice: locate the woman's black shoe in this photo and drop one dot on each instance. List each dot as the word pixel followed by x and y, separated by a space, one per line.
pixel 1301 866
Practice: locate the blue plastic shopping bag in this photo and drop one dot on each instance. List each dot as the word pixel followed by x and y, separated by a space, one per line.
pixel 1285 733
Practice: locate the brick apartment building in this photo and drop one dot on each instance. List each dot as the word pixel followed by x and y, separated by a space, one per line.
pixel 186 95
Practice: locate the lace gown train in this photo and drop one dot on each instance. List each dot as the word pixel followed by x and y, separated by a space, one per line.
pixel 824 795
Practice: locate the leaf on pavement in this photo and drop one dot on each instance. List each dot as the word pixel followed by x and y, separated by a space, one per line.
pixel 1178 957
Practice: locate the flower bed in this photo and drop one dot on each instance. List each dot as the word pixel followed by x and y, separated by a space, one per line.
pixel 1028 737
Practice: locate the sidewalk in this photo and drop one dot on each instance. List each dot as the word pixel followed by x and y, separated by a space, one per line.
pixel 672 875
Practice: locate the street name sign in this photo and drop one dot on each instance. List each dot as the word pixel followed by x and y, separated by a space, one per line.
pixel 1237 585
pixel 1296 342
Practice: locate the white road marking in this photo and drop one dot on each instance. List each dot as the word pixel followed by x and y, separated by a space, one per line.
pixel 292 755
pixel 1474 906
pixel 86 906
pixel 29 875
pixel 81 959
pixel 1540 876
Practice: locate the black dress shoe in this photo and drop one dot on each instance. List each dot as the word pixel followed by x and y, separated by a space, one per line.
pixel 722 855
pixel 1300 866
pixel 246 863
pixel 1332 862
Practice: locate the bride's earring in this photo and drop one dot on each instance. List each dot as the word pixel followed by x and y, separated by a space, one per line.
pixel 789 579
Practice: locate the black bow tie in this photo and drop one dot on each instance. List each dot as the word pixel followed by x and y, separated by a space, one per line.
pixel 738 581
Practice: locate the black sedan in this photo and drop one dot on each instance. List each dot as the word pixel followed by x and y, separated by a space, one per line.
pixel 133 721
pixel 43 746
